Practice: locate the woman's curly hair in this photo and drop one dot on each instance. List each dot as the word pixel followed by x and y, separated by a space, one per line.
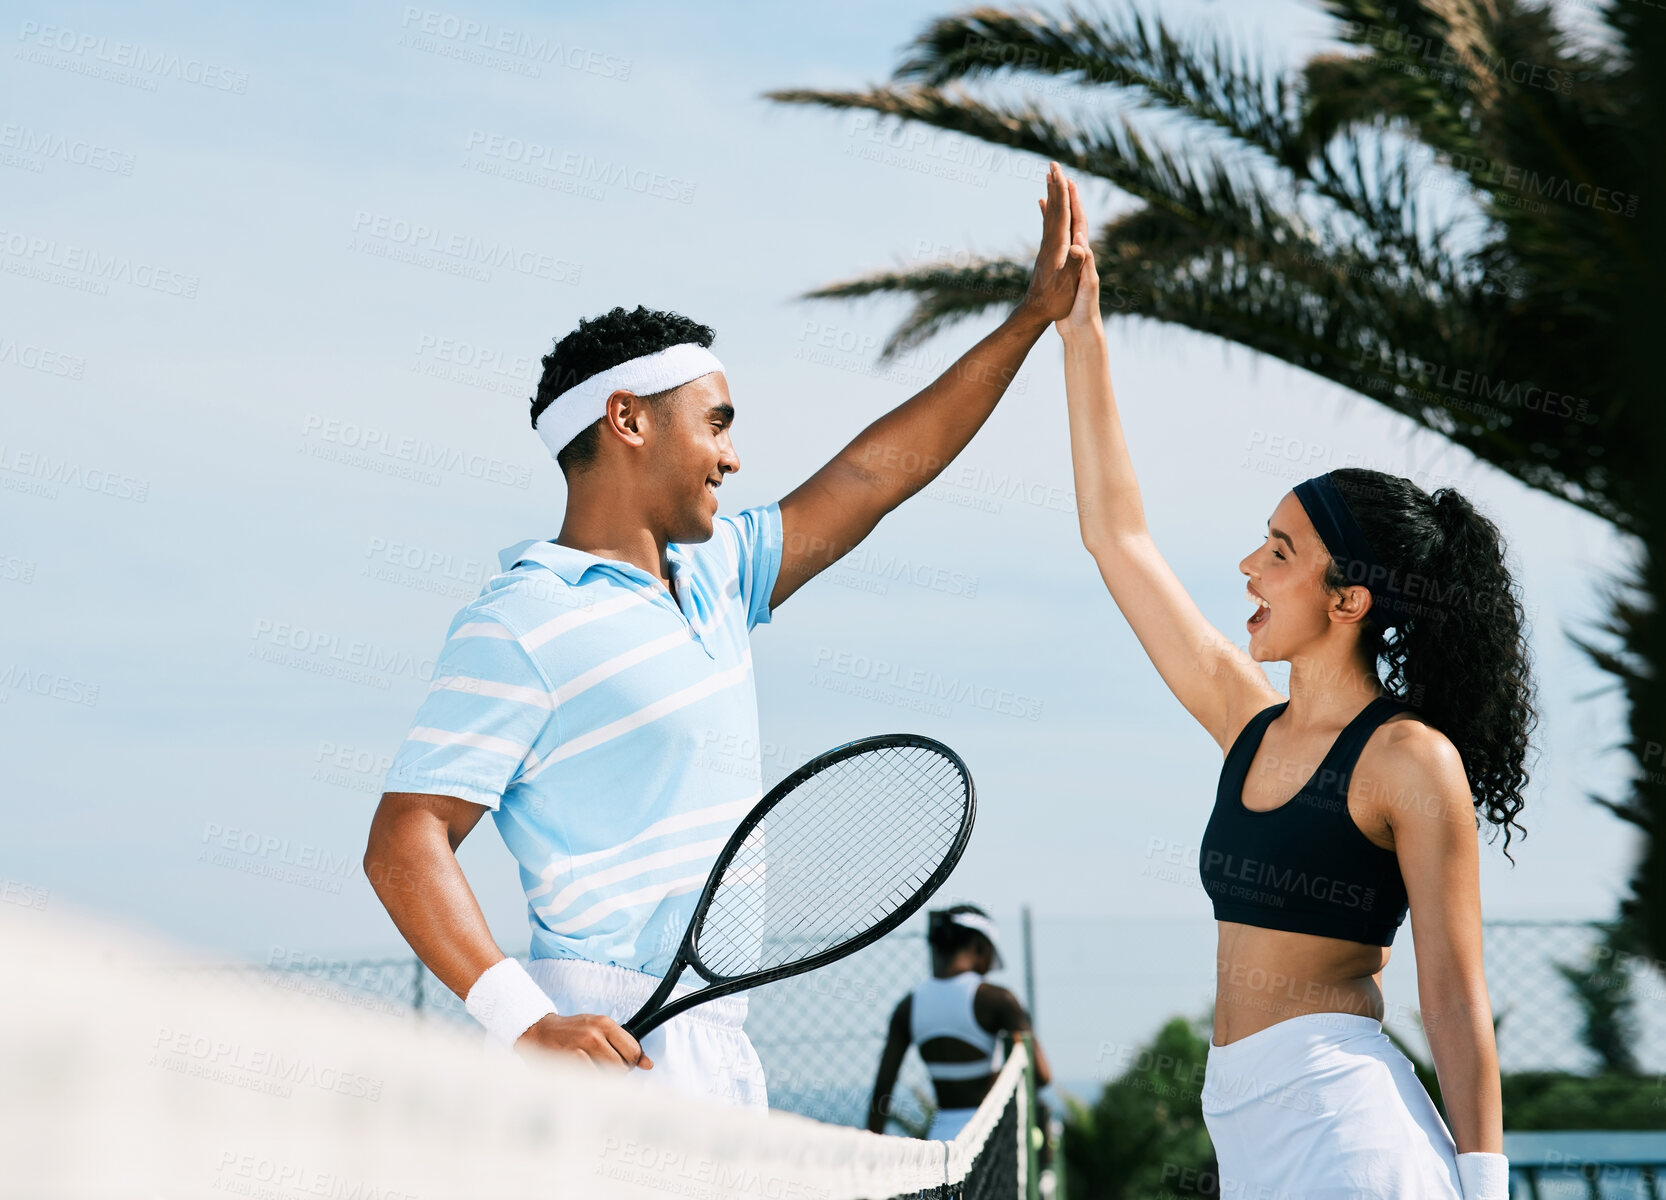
pixel 1456 651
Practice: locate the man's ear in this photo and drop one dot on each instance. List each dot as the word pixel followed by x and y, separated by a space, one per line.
pixel 623 417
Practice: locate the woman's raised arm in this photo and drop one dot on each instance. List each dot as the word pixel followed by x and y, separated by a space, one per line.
pixel 1219 684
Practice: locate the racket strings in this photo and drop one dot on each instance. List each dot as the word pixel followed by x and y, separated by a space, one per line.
pixel 841 852
pixel 803 870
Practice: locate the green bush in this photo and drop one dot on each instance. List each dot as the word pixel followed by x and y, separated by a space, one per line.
pixel 1557 1100
pixel 1144 1136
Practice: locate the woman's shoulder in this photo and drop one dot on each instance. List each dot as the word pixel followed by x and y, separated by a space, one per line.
pixel 1407 735
pixel 1417 759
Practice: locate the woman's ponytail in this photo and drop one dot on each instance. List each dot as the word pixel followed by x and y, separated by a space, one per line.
pixel 1457 652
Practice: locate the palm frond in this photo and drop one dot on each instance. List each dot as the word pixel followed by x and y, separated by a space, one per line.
pixel 943 293
pixel 1109 147
pixel 1199 79
pixel 1204 79
pixel 1342 91
pixel 1324 315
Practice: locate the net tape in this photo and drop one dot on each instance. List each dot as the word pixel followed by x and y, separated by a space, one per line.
pixel 126 1075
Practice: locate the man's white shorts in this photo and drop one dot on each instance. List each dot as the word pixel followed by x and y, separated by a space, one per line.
pixel 703 1053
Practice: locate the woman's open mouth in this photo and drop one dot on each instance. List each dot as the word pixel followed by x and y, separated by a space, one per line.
pixel 1262 612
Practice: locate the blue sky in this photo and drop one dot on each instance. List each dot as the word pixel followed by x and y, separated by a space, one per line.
pixel 237 328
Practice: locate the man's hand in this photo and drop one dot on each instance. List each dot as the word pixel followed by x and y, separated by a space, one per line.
pixel 1058 261
pixel 594 1039
pixel 903 451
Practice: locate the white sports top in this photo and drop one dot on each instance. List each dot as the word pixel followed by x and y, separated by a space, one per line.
pixel 943 1008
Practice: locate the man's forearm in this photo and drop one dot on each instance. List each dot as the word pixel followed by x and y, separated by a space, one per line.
pixel 416 876
pixel 909 446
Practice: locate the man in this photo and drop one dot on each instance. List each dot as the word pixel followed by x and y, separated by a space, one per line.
pixel 574 696
pixel 957 1020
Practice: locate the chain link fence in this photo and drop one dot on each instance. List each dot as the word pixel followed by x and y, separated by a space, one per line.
pixel 820 1034
pixel 1540 1016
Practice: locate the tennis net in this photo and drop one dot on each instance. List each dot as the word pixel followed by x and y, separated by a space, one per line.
pixel 126 1075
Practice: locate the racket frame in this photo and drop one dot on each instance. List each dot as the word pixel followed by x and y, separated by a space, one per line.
pixel 650 1016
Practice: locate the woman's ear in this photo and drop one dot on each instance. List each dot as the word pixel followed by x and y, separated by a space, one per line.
pixel 1352 605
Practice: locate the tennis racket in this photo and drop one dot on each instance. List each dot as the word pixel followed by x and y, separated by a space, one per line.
pixel 835 856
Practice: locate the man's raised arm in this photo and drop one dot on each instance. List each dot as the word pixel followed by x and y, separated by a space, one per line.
pixel 829 513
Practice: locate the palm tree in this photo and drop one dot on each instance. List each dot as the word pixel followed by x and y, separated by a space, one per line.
pixel 1451 216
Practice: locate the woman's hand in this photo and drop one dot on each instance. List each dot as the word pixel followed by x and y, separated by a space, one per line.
pixel 1083 317
pixel 1054 281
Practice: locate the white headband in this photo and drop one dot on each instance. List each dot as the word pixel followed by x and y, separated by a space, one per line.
pixel 583 404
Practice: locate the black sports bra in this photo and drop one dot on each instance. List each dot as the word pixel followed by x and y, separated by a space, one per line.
pixel 1303 866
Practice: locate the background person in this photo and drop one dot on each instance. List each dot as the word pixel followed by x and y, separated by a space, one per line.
pixel 956 1019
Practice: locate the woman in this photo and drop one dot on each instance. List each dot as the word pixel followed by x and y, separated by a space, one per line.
pixel 956 1018
pixel 1408 718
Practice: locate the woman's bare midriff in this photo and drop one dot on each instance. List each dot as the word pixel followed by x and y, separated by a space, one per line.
pixel 1264 976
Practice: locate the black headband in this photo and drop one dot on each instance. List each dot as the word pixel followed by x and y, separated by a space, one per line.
pixel 1347 543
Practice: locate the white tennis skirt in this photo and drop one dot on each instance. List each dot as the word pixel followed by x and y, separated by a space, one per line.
pixel 702 1053
pixel 1324 1107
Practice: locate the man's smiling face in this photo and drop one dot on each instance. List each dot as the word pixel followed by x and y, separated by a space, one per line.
pixel 691 455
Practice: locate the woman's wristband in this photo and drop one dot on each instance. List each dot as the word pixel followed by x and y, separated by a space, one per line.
pixel 1484 1176
pixel 507 1001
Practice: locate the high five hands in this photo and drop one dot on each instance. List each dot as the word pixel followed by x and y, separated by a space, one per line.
pixel 1064 287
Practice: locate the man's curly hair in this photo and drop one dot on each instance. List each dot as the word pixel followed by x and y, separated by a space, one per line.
pixel 602 342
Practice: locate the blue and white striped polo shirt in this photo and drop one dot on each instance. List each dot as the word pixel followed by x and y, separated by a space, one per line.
pixel 585 706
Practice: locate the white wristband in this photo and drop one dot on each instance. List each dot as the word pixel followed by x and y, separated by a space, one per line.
pixel 507 1001
pixel 1484 1176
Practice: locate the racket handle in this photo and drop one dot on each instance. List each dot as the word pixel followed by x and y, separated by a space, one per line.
pixel 652 1014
